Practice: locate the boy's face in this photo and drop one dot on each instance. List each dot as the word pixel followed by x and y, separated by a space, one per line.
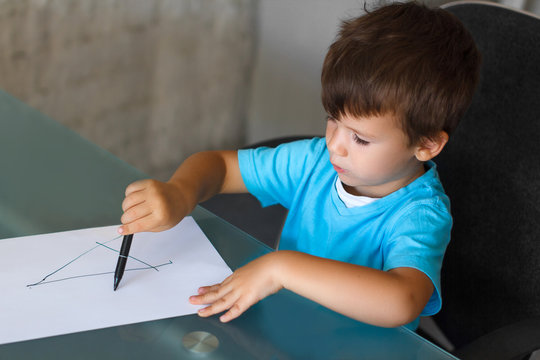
pixel 371 154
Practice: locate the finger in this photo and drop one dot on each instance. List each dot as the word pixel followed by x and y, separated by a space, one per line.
pixel 135 213
pixel 205 289
pixel 133 199
pixel 143 224
pixel 220 305
pixel 209 296
pixel 199 299
pixel 235 311
pixel 136 186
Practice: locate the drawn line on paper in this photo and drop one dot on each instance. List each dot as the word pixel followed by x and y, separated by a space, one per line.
pixel 129 256
pixel 97 274
pixel 147 267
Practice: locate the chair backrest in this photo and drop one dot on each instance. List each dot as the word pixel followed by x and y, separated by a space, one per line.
pixel 491 172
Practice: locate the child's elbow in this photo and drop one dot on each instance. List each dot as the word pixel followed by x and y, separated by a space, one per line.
pixel 406 308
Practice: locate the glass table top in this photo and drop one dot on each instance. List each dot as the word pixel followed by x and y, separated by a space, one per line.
pixel 54 180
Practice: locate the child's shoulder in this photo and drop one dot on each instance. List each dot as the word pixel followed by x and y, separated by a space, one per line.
pixel 423 197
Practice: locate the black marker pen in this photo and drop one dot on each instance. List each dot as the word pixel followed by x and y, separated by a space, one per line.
pixel 122 259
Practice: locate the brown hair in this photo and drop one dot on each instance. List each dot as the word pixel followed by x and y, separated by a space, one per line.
pixel 417 64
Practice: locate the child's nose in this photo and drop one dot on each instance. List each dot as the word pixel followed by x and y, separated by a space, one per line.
pixel 336 143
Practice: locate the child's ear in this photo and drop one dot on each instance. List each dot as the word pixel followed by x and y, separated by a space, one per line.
pixel 431 147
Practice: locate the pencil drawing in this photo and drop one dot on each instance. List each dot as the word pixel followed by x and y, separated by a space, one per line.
pixel 146 267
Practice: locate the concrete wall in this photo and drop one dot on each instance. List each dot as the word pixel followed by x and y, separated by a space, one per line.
pixel 150 81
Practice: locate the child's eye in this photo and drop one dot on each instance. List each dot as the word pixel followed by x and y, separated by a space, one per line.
pixel 360 141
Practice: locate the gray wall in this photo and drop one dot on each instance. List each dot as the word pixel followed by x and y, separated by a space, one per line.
pixel 293 39
pixel 150 81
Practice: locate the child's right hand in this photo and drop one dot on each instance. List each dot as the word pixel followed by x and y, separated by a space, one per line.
pixel 152 205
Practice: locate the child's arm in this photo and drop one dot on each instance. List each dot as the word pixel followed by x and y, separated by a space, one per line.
pixel 152 205
pixel 389 299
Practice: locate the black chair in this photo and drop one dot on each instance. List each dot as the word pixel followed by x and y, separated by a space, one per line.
pixel 491 172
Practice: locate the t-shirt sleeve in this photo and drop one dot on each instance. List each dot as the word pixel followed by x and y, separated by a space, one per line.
pixel 273 175
pixel 419 239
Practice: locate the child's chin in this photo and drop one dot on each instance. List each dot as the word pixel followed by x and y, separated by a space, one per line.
pixel 346 180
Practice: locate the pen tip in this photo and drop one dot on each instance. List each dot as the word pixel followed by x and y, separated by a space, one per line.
pixel 115 286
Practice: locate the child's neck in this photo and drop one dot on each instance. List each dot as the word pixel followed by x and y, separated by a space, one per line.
pixel 380 191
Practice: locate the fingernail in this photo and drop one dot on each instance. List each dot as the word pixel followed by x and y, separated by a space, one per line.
pixel 120 230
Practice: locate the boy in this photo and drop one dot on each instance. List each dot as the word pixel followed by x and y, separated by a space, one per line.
pixel 368 219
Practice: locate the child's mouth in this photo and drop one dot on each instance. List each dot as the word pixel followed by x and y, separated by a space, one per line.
pixel 338 169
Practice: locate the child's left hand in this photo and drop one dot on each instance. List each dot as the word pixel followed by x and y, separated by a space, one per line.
pixel 245 287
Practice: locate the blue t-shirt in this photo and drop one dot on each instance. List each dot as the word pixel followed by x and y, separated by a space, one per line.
pixel 407 228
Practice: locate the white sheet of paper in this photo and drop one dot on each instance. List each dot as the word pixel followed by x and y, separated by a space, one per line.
pixel 78 293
